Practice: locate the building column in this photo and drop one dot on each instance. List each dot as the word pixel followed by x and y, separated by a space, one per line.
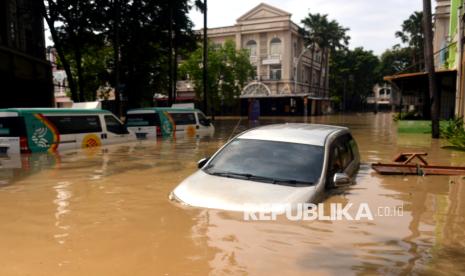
pixel 238 40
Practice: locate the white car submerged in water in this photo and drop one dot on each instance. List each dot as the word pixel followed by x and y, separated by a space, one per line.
pixel 272 165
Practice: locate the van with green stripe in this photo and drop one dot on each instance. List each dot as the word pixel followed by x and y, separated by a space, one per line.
pixel 148 123
pixel 50 129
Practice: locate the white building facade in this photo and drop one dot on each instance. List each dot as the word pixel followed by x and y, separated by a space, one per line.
pixel 289 81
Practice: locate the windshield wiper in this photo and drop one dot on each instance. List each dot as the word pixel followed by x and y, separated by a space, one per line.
pixel 272 180
pixel 233 175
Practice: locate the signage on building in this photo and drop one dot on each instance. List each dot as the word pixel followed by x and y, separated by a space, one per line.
pixel 271 61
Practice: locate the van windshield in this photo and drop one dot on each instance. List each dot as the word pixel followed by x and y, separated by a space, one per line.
pixel 269 161
pixel 12 127
pixel 145 119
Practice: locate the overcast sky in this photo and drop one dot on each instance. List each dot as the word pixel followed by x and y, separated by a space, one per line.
pixel 372 23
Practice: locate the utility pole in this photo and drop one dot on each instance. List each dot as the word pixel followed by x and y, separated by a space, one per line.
pixel 429 66
pixel 116 55
pixel 205 58
pixel 170 57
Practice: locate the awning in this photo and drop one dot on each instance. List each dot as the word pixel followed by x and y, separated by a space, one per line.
pixel 421 75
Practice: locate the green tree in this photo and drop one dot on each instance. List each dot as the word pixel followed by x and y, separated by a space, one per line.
pixel 353 74
pixel 146 38
pixel 330 36
pixel 229 70
pixel 394 61
pixel 95 61
pixel 148 35
pixel 413 36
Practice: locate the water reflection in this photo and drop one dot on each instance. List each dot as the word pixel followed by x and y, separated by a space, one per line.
pixel 105 211
pixel 62 202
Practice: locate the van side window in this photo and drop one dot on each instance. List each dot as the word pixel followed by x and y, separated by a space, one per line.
pixel 143 119
pixel 183 118
pixel 203 120
pixel 12 127
pixel 76 124
pixel 115 126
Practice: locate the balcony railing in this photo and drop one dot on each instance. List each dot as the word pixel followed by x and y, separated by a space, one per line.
pixel 272 59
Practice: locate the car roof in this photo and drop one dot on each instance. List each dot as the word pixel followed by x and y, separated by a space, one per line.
pixel 54 110
pixel 310 134
pixel 158 109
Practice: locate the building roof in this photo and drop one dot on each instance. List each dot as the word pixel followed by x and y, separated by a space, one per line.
pixel 263 11
pixel 310 134
pixel 261 14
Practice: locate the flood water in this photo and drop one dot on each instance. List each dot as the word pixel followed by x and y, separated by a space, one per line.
pixel 106 212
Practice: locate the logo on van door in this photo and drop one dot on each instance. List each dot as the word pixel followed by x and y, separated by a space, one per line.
pixel 38 137
pixel 90 141
pixel 44 135
pixel 191 131
pixel 168 126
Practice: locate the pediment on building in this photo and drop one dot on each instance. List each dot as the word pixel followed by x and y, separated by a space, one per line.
pixel 263 11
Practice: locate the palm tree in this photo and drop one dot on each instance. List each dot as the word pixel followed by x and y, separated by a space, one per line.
pixel 337 40
pixel 327 35
pixel 412 35
pixel 314 29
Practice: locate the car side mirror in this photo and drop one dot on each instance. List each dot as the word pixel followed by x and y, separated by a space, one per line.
pixel 341 179
pixel 202 162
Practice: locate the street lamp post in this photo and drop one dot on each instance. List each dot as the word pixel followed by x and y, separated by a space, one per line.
pixel 205 58
pixel 295 76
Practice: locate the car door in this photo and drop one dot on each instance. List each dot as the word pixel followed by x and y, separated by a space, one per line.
pixel 204 126
pixel 341 159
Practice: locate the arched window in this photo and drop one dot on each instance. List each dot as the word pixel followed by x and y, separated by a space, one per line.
pixel 251 46
pixel 275 47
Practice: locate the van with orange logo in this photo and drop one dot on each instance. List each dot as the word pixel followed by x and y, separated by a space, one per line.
pixel 50 129
pixel 148 123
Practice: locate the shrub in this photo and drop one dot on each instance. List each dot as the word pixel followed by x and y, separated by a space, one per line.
pixel 454 132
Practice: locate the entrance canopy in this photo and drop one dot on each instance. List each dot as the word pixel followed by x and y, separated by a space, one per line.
pixel 418 77
pixel 255 90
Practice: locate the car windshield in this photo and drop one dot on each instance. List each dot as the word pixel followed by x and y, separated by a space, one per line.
pixel 269 161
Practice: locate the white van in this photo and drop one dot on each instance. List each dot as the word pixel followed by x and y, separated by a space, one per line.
pixel 51 129
pixel 148 123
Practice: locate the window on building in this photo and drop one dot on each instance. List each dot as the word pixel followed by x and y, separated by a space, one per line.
pixel 318 56
pixel 251 46
pixel 255 72
pixel 275 47
pixel 275 72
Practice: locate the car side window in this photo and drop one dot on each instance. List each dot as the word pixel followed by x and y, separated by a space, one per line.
pixel 335 164
pixel 353 147
pixel 115 126
pixel 346 154
pixel 341 154
pixel 203 120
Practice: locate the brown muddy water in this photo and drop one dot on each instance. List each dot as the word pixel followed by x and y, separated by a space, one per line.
pixel 106 212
